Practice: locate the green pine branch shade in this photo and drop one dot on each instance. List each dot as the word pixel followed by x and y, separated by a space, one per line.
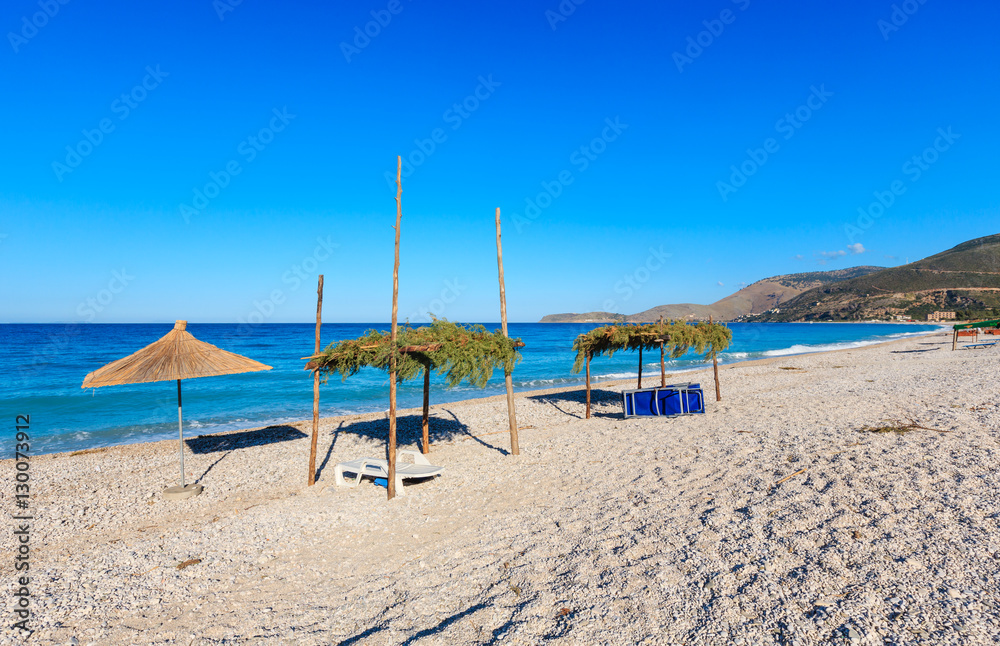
pixel 677 337
pixel 460 353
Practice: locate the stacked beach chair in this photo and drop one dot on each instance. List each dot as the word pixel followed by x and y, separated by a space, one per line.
pixel 665 401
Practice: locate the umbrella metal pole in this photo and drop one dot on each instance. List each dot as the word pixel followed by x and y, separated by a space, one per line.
pixel 180 430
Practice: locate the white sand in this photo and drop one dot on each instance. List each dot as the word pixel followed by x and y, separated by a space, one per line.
pixel 607 531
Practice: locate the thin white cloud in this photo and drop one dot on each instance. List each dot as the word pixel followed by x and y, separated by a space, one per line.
pixel 798 256
pixel 721 284
pixel 856 248
pixel 830 255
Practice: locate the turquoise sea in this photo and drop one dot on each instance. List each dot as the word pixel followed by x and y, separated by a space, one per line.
pixel 44 365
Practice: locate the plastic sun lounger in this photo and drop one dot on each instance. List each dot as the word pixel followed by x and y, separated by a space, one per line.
pixel 378 468
pixel 667 401
pixel 981 345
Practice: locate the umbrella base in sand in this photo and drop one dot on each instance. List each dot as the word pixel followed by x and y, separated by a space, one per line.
pixel 180 493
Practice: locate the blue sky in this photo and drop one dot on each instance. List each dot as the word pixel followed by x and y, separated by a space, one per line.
pixel 641 153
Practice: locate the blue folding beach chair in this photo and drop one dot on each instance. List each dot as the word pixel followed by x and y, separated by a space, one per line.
pixel 668 401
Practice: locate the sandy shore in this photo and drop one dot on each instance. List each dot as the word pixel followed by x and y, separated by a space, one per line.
pixel 772 519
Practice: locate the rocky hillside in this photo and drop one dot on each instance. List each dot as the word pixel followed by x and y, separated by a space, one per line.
pixel 965 278
pixel 759 297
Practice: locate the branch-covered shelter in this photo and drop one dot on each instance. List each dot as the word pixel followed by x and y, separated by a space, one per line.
pixel 459 352
pixel 675 338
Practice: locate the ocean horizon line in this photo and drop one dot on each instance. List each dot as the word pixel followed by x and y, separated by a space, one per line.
pixel 49 363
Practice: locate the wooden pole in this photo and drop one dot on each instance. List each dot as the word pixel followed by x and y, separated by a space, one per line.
pixel 715 367
pixel 954 341
pixel 315 435
pixel 508 380
pixel 391 449
pixel 588 385
pixel 663 368
pixel 425 445
pixel 663 365
pixel 640 368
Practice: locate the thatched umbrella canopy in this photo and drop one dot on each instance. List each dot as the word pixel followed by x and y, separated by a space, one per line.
pixel 178 355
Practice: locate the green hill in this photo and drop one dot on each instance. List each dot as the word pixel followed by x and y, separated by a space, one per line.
pixel 755 298
pixel 965 278
pixel 759 297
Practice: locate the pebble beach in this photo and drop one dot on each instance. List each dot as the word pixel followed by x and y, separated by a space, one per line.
pixel 781 516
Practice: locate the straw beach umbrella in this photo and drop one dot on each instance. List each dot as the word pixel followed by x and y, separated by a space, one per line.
pixel 176 356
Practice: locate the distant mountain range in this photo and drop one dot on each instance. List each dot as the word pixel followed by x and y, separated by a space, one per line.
pixel 965 279
pixel 757 298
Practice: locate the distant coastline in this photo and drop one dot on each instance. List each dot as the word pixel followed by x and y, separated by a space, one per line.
pixel 962 281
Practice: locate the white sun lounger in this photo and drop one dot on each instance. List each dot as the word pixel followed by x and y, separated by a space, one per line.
pixel 378 468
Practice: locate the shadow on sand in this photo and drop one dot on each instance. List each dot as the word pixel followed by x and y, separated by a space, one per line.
pixel 230 442
pixel 597 396
pixel 443 426
pixel 243 439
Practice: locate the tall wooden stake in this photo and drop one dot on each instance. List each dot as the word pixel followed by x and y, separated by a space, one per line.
pixel 663 365
pixel 391 449
pixel 663 368
pixel 640 368
pixel 954 341
pixel 315 435
pixel 715 367
pixel 508 380
pixel 588 385
pixel 425 445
